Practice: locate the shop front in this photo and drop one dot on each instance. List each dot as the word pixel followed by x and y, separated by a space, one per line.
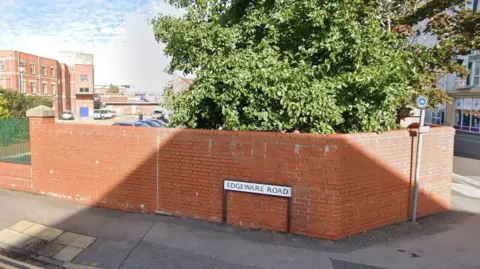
pixel 465 110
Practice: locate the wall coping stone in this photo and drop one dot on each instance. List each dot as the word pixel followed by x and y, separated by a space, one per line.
pixel 41 112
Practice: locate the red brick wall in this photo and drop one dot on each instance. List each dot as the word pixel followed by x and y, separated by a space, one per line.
pixel 16 176
pixel 342 184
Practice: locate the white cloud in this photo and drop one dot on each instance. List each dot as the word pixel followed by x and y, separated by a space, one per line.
pixel 116 32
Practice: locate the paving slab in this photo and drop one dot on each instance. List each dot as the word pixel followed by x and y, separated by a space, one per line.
pixel 67 253
pixel 35 230
pixel 34 244
pixel 22 225
pixel 5 234
pixel 50 249
pixel 49 234
pixel 18 240
pixel 66 238
pixel 82 241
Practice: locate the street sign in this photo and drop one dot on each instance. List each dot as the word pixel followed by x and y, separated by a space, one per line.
pixel 257 188
pixel 422 102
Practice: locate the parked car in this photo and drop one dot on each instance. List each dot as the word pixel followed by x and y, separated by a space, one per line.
pixel 100 114
pixel 143 123
pixel 157 113
pixel 163 119
pixel 67 115
pixel 151 123
pixel 136 124
pixel 161 123
pixel 122 124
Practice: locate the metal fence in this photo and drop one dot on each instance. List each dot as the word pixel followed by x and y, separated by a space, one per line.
pixel 15 141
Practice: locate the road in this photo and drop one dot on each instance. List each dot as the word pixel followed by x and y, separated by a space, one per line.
pixel 466 161
pixel 466 169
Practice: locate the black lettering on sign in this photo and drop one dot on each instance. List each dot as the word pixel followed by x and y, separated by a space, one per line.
pixel 248 187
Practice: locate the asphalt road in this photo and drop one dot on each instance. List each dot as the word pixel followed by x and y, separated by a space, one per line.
pixel 466 161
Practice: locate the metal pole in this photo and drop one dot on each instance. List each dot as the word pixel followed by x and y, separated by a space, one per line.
pixel 21 81
pixel 417 165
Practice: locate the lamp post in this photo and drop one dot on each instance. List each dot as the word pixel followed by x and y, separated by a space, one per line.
pixel 21 70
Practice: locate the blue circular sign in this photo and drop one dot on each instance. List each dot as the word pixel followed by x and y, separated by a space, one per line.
pixel 422 101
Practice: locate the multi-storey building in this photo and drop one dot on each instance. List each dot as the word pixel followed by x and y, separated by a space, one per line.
pixel 464 113
pixel 69 85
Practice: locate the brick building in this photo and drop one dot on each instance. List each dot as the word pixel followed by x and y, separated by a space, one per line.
pixel 69 84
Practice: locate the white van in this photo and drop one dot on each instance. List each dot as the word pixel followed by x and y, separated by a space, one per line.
pixel 100 114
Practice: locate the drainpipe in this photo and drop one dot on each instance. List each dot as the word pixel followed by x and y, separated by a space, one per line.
pixel 18 67
pixel 40 88
pixel 11 72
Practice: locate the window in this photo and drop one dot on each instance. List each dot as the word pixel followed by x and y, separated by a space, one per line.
pixel 32 69
pixel 52 71
pixel 2 65
pixel 23 87
pixel 84 90
pixel 45 89
pixel 83 78
pixel 33 87
pixel 469 76
pixel 44 71
pixel 467 114
pixel 53 89
pixel 476 74
pixel 438 116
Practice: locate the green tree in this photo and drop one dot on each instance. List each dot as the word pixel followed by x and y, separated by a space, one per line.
pixel 3 108
pixel 453 24
pixel 322 66
pixel 17 104
pixel 113 89
pixel 168 97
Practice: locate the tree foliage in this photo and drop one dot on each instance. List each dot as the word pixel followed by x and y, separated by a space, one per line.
pixel 113 89
pixel 451 22
pixel 168 97
pixel 17 104
pixel 321 66
pixel 4 114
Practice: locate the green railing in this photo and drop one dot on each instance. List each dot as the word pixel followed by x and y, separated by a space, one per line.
pixel 15 141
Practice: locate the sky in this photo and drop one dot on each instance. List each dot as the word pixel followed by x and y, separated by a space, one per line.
pixel 115 31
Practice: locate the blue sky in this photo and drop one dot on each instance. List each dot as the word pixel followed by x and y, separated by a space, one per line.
pixel 115 31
